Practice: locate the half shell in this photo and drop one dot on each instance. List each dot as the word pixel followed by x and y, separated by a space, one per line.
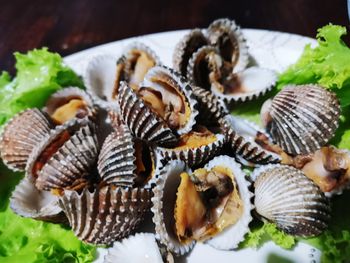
pixel 27 201
pixel 184 49
pixel 105 215
pixel 69 103
pixel 99 79
pixel 125 160
pixel 141 120
pixel 21 134
pixel 225 35
pixel 141 247
pixel 241 136
pixel 285 196
pixel 301 119
pixel 65 158
pixel 164 204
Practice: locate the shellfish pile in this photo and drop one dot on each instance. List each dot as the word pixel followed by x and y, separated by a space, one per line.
pixel 146 137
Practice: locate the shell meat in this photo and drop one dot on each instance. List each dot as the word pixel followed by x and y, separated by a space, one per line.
pixel 141 247
pixel 301 119
pixel 99 79
pixel 21 134
pixel 286 197
pixel 228 38
pixel 105 215
pixel 65 158
pixel 27 201
pixel 241 138
pixel 184 49
pixel 125 160
pixel 133 65
pixel 195 147
pixel 69 103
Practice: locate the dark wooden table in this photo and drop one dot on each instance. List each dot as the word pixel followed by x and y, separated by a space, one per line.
pixel 67 26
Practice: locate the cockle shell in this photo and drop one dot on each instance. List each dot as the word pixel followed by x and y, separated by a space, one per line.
pixel 141 120
pixel 184 49
pixel 119 159
pixel 225 34
pixel 99 79
pixel 240 136
pixel 70 165
pixel 21 134
pixel 301 119
pixel 65 95
pixel 163 207
pixel 141 247
pixel 27 201
pixel 285 196
pixel 105 215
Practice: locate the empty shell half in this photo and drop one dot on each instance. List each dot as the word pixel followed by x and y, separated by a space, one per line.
pixel 105 215
pixel 301 119
pixel 286 197
pixel 21 134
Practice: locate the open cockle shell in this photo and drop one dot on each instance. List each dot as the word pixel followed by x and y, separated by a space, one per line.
pixel 225 35
pixel 301 119
pixel 27 201
pixel 175 92
pixel 240 136
pixel 61 107
pixel 194 156
pixel 164 204
pixel 141 247
pixel 141 120
pixel 21 134
pixel 133 65
pixel 285 196
pixel 105 215
pixel 65 158
pixel 184 49
pixel 99 79
pixel 231 236
pixel 125 160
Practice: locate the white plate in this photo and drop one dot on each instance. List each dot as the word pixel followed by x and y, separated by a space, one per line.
pixel 274 50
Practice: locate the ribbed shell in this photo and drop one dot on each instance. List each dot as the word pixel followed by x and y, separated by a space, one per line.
pixel 175 80
pixel 105 215
pixel 184 49
pixel 21 134
pixel 194 156
pixel 65 95
pixel 115 119
pixel 243 146
pixel 141 120
pixel 222 28
pixel 71 164
pixel 301 119
pixel 141 247
pixel 230 237
pixel 99 79
pixel 117 160
pixel 27 201
pixel 285 196
pixel 163 204
pixel 210 107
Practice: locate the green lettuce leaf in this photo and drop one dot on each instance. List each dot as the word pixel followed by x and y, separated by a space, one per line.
pixel 39 74
pixel 327 64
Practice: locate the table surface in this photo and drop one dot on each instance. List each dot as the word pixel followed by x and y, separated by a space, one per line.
pixel 68 26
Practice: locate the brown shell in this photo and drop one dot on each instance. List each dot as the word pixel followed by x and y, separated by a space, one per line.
pixel 117 162
pixel 70 166
pixel 184 49
pixel 107 214
pixel 21 134
pixel 301 119
pixel 141 120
